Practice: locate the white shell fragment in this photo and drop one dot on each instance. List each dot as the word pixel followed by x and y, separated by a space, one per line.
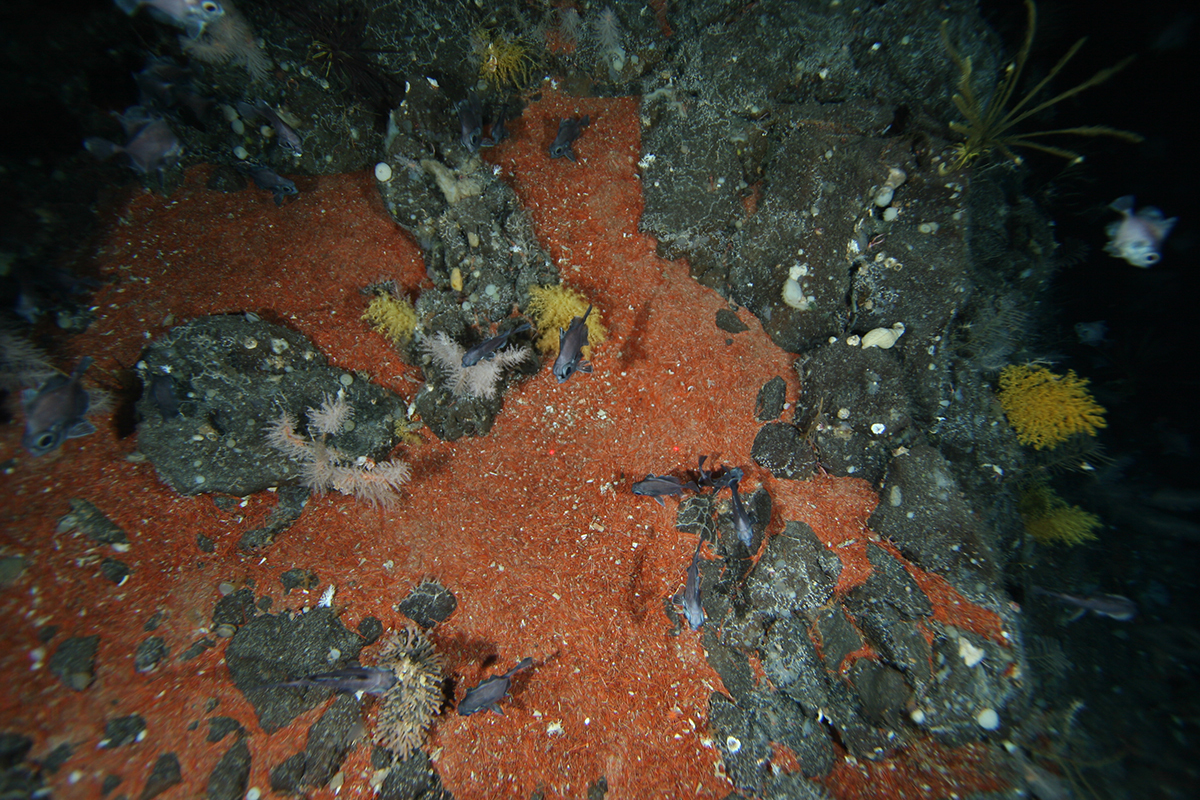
pixel 988 719
pixel 326 597
pixel 383 172
pixel 896 177
pixel 883 337
pixel 969 653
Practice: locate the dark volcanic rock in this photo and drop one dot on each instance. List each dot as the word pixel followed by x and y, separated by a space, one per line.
pixel 273 648
pixel 231 775
pixel 796 572
pixel 428 604
pixel 163 776
pixel 231 375
pixel 74 662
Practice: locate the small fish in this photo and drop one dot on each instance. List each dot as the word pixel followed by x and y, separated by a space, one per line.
pixel 191 15
pixel 55 411
pixel 289 139
pixel 660 486
pixel 267 180
pixel 488 348
pixel 1092 334
pixel 1113 606
pixel 489 692
pixel 151 147
pixel 164 396
pixel 743 525
pixel 1138 237
pixel 371 680
pixel 570 349
pixel 470 121
pixel 692 608
pixel 568 132
pixel 498 133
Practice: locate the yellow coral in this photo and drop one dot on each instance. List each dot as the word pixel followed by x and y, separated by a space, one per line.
pixel 1046 409
pixel 393 317
pixel 1051 520
pixel 553 307
pixel 503 60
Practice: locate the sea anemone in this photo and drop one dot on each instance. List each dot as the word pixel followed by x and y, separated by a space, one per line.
pixel 409 707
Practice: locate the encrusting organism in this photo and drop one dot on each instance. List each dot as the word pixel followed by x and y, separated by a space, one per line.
pixel 987 125
pixel 479 380
pixel 1051 520
pixel 411 704
pixel 1046 409
pixel 324 467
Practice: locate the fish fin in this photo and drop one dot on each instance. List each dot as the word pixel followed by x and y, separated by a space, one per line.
pixel 81 428
pixel 28 396
pixel 128 6
pixel 1123 204
pixel 1076 614
pixel 496 707
pixel 659 500
pixel 102 149
pixel 194 27
pixel 1150 214
pixel 1164 227
pixel 584 366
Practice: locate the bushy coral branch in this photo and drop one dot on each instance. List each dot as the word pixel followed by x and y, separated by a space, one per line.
pixel 323 467
pixel 480 380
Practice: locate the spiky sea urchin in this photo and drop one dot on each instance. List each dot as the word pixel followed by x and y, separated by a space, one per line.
pixel 409 707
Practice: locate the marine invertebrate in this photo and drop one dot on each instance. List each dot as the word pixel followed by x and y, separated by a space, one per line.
pixel 1051 520
pixel 1046 409
pixel 409 707
pixel 553 308
pixel 323 467
pixel 478 380
pixel 988 124
pixel 392 316
pixel 339 48
pixel 504 60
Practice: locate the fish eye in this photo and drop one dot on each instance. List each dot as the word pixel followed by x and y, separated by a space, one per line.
pixel 210 7
pixel 45 440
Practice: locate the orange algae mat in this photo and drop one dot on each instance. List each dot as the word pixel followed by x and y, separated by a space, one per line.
pixel 533 527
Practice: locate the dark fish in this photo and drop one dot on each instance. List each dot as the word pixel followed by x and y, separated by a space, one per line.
pixel 191 15
pixel 491 691
pixel 660 486
pixel 570 349
pixel 165 396
pixel 288 138
pixel 488 348
pixel 372 680
pixel 1114 606
pixel 498 132
pixel 729 478
pixel 568 132
pixel 692 608
pixel 55 411
pixel 266 179
pixel 470 121
pixel 152 146
pixel 743 525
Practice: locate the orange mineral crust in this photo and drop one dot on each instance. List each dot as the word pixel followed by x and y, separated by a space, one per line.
pixel 533 527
